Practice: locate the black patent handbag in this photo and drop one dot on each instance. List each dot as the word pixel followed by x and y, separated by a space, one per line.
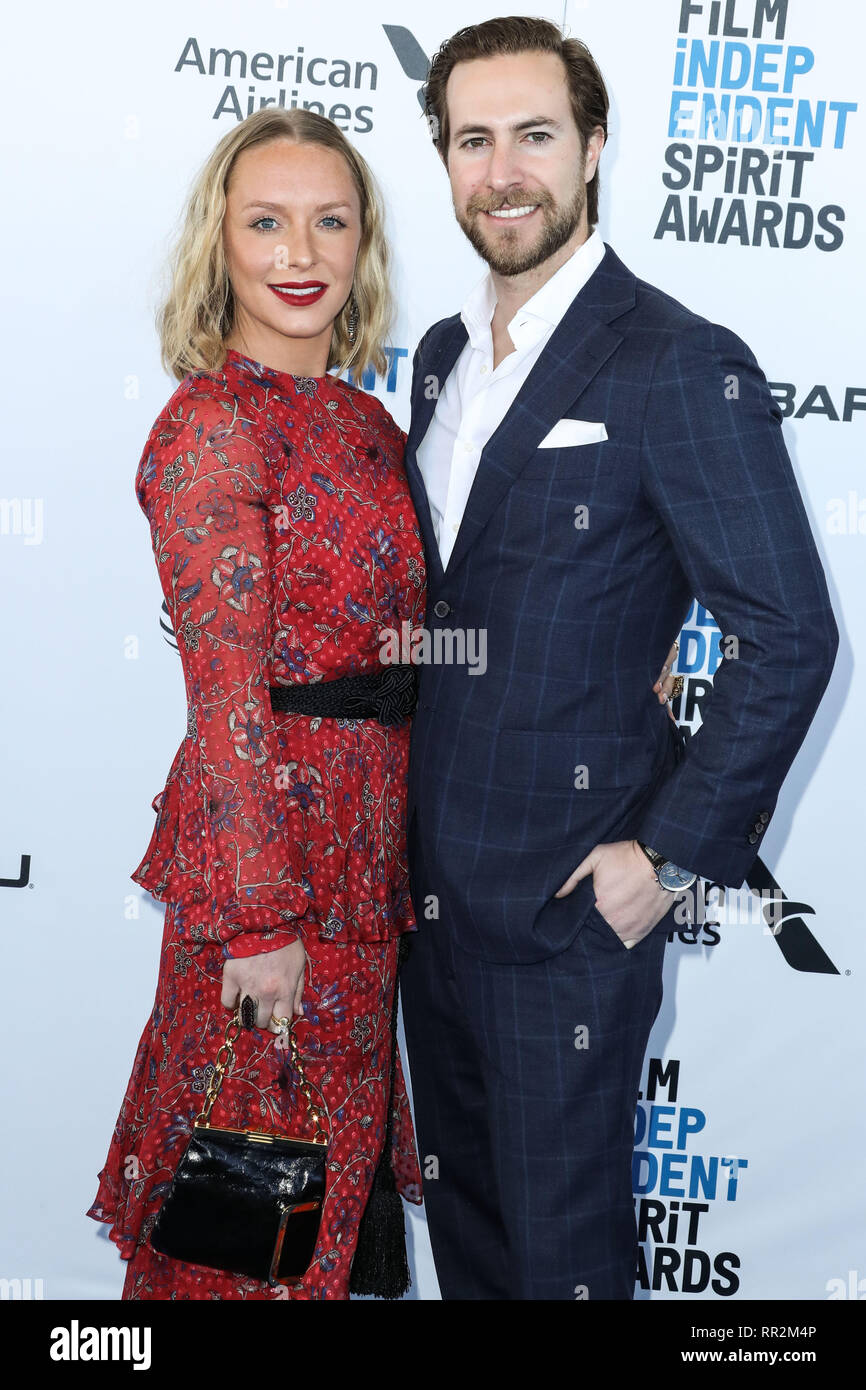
pixel 242 1200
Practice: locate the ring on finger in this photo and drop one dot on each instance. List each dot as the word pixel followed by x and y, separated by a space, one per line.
pixel 249 1011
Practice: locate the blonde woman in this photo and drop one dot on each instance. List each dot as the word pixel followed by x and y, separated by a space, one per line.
pixel 285 540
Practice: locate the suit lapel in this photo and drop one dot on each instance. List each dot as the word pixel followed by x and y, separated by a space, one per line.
pixel 578 348
pixel 439 364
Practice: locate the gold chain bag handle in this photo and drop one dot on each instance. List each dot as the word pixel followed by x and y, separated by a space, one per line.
pixel 222 1067
pixel 246 1201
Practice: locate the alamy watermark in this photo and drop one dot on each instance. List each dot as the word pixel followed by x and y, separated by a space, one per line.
pixel 443 646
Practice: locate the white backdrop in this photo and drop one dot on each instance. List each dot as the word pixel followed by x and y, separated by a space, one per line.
pixel 747 1169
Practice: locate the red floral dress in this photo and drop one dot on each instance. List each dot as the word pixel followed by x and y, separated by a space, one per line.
pixel 287 544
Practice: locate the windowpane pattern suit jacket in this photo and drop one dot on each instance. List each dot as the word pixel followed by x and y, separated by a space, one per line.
pixel 581 563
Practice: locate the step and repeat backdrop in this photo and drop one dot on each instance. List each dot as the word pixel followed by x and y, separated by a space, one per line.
pixel 732 178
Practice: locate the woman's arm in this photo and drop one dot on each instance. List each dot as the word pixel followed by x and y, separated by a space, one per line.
pixel 203 484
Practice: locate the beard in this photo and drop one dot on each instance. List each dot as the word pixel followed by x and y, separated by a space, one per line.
pixel 506 256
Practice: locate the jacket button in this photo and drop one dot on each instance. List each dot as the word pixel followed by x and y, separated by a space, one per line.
pixel 752 837
pixel 759 826
pixel 764 816
pixel 441 608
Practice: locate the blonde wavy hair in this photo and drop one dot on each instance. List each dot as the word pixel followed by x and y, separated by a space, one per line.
pixel 198 311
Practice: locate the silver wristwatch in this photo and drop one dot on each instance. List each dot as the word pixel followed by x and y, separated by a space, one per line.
pixel 669 874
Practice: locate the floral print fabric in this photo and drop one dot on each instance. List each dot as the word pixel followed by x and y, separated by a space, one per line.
pixel 344 1040
pixel 286 542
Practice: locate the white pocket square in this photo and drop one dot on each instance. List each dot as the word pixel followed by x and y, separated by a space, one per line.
pixel 568 432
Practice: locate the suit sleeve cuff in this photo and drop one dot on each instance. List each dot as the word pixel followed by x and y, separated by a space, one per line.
pixel 720 861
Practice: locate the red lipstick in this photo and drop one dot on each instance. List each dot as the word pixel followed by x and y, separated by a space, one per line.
pixel 298 293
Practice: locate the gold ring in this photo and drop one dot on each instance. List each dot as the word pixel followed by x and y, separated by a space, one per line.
pixel 679 682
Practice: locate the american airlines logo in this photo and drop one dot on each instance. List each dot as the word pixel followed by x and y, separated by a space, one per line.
pixel 698 924
pixel 410 55
pixel 799 947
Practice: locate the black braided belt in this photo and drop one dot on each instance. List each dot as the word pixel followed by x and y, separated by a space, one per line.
pixel 388 694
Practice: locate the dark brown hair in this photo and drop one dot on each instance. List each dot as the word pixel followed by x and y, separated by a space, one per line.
pixel 518 34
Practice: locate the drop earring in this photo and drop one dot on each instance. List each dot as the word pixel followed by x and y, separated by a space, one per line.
pixel 352 325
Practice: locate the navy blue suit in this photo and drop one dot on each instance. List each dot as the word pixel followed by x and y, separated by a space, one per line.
pixel 515 774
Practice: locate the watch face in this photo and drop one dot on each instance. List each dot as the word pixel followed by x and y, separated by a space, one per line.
pixel 672 877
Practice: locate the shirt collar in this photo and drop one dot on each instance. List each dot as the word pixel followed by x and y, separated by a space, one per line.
pixel 548 304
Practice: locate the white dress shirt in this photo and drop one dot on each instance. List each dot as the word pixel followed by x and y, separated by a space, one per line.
pixel 475 398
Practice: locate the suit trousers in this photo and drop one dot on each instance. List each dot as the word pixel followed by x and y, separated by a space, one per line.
pixel 525 1083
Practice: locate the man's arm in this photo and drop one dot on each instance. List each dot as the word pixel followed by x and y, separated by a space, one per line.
pixel 715 466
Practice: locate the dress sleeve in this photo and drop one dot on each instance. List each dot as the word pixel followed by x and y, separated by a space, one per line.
pixel 392 435
pixel 203 483
pixel 409 593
